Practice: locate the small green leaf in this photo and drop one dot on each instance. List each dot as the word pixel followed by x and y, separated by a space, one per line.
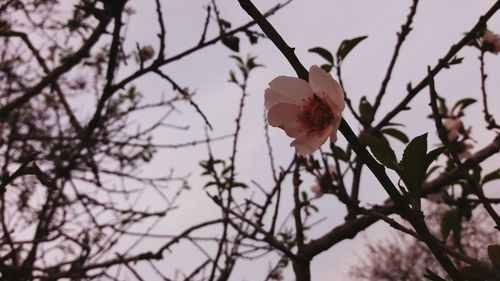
pixel 226 170
pixel 210 183
pixel 494 255
pixel 339 153
pixel 443 109
pixel 347 45
pixel 395 133
pixel 433 155
pixel 491 176
pixel 326 67
pixel 431 170
pixel 232 77
pixel 314 208
pixel 251 64
pixel 449 221
pixel 232 42
pixel 382 151
pixel 239 184
pixel 238 59
pixel 462 104
pixel 395 124
pixel 454 60
pixel 365 109
pixel 305 197
pixel 414 162
pixel 324 53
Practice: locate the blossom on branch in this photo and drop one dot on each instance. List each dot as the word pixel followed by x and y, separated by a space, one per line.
pixel 147 52
pixel 491 42
pixel 309 112
pixel 317 190
pixel 453 126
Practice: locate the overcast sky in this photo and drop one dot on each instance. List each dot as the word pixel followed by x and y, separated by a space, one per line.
pixel 305 24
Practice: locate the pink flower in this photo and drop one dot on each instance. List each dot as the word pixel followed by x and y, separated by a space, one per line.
pixel 309 112
pixel 317 190
pixel 491 42
pixel 453 126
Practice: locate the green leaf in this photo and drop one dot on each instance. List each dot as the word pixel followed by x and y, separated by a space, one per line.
pixel 238 59
pixel 450 220
pixel 232 42
pixel 395 133
pixel 454 60
pixel 339 153
pixel 326 67
pixel 365 109
pixel 395 124
pixel 462 104
pixel 494 255
pixel 443 109
pixel 324 53
pixel 210 183
pixel 347 45
pixel 432 276
pixel 414 163
pixel 433 155
pixel 431 170
pixel 251 64
pixel 305 197
pixel 239 184
pixel 491 176
pixel 382 151
pixel 226 170
pixel 232 77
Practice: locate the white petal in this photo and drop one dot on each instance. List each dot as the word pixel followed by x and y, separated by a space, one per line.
pixel 285 89
pixel 284 115
pixel 322 82
pixel 308 143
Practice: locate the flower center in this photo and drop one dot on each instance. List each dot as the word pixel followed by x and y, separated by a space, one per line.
pixel 315 114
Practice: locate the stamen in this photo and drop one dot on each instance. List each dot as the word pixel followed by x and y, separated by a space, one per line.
pixel 315 114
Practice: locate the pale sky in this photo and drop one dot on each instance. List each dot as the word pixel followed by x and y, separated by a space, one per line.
pixel 305 24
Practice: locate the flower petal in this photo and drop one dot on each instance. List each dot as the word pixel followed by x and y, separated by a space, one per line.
pixel 284 89
pixel 322 82
pixel 335 128
pixel 310 142
pixel 284 115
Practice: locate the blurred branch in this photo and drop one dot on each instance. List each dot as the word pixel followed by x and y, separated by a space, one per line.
pixel 68 63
